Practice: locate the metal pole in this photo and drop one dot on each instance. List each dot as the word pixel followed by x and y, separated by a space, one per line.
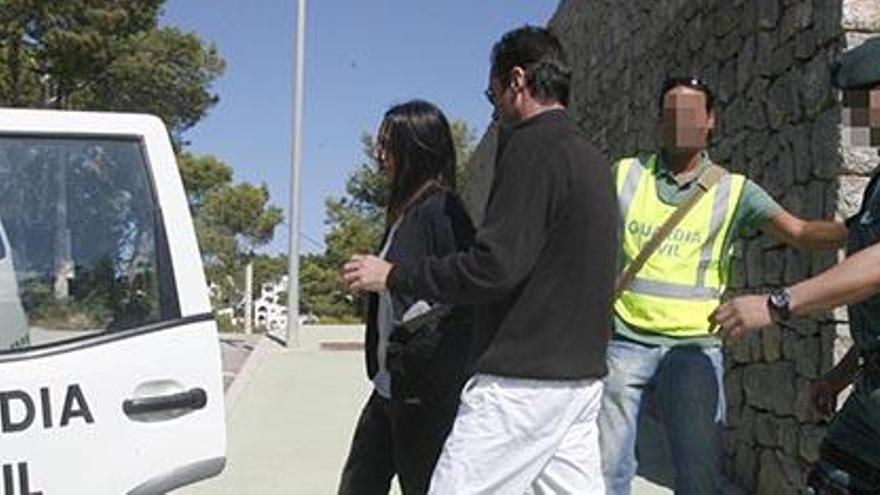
pixel 292 339
pixel 249 296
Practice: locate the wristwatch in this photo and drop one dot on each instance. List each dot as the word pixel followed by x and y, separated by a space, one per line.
pixel 779 304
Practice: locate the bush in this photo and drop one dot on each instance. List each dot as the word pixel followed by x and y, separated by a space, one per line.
pixel 225 324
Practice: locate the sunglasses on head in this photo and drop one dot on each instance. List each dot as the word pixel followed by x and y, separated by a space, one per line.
pixel 688 82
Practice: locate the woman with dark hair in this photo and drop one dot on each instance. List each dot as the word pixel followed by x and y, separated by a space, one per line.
pixel 416 351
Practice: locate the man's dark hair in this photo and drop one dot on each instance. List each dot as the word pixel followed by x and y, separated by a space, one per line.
pixel 687 82
pixel 418 137
pixel 537 51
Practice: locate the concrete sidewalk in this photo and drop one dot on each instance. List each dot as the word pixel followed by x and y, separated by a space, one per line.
pixel 293 414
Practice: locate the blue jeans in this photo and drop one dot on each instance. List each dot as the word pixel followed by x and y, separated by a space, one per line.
pixel 686 383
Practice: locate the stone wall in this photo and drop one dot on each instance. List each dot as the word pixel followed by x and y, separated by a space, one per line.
pixel 768 62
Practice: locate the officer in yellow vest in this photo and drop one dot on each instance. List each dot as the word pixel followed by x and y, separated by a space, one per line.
pixel 661 339
pixel 849 459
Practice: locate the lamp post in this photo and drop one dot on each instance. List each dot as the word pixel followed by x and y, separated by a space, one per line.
pixel 292 338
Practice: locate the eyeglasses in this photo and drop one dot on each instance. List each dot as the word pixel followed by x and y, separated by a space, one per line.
pixel 490 95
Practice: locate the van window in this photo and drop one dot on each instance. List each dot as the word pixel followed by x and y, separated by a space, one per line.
pixel 84 235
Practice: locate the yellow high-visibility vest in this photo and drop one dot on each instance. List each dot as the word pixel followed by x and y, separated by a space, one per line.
pixel 682 281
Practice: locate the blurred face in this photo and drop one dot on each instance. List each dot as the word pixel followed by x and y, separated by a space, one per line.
pixel 861 116
pixel 381 154
pixel 686 124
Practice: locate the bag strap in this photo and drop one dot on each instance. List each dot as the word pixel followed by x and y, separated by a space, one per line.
pixel 711 176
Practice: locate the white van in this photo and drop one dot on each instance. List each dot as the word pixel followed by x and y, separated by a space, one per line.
pixel 110 376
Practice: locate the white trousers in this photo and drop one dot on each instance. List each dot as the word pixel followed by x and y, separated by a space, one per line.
pixel 517 436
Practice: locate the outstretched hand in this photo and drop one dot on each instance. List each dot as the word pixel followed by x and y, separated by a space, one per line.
pixel 366 273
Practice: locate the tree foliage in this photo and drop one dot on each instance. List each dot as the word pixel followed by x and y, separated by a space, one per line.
pixel 232 220
pixel 104 55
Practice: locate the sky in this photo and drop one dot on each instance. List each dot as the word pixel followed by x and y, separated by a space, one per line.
pixel 362 56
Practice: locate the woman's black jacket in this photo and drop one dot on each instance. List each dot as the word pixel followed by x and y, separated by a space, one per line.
pixel 431 363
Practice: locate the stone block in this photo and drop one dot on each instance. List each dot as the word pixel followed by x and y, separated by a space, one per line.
pixel 805 44
pixel 852 188
pixel 745 62
pixel 733 419
pixel 740 351
pixel 795 195
pixel 726 21
pixel 789 342
pixel 732 122
pixel 754 263
pixel 804 410
pixel 756 352
pixel 755 145
pixel 765 430
pixel 787 28
pixel 746 464
pixel 861 15
pixel 783 104
pixel 805 328
pixel 733 385
pixel 783 57
pixel 768 14
pixel 788 435
pixel 815 86
pixel 799 141
pixel 766 46
pixel 810 439
pixel 807 356
pixel 746 430
pixel 827 20
pixel 727 86
pixel 772 267
pixel 739 163
pixel 699 28
pixel 711 71
pixel 815 206
pixel 771 340
pixel 825 143
pixel 793 470
pixel 768 242
pixel 770 387
pixel 771 479
pixel 730 44
pixel 859 160
pixel 802 13
pixel 797 266
pixel 738 277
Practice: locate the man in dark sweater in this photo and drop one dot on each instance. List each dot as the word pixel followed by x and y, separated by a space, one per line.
pixel 541 270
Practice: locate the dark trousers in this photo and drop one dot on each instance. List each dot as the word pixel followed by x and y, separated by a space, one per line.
pixel 393 437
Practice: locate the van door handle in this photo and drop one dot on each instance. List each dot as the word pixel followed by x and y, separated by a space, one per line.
pixel 192 399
